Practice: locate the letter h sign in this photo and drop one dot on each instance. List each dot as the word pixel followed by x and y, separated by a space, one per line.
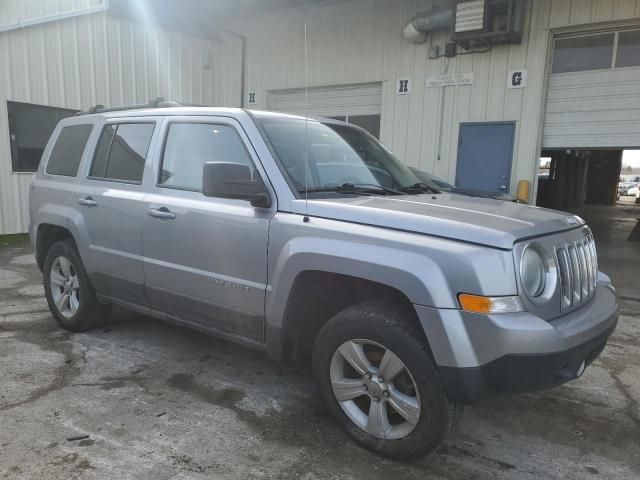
pixel 403 86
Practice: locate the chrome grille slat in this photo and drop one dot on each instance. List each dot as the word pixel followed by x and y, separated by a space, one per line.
pixel 565 278
pixel 587 261
pixel 578 270
pixel 575 274
pixel 584 278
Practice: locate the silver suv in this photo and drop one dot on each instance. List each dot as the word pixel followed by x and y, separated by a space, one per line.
pixel 307 238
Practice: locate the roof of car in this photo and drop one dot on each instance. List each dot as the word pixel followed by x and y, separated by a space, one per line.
pixel 160 106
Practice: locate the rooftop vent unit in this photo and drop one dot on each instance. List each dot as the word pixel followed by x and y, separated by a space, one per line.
pixel 478 23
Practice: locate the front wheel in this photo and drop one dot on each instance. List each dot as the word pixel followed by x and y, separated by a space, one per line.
pixel 376 374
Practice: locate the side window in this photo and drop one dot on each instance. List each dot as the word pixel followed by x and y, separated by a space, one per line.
pixel 67 152
pixel 122 151
pixel 189 146
pixel 99 166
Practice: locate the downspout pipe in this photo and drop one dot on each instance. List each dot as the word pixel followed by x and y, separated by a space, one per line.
pixel 243 63
pixel 438 18
pixel 31 22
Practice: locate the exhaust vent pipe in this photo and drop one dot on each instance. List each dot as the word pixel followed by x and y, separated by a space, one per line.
pixel 438 18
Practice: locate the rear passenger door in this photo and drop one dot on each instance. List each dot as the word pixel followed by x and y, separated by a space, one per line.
pixel 205 259
pixel 108 202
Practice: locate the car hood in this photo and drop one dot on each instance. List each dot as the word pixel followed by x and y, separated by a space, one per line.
pixel 481 193
pixel 484 221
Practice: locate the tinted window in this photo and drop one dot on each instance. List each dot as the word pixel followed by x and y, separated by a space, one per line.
pixel 67 152
pixel 122 151
pixel 190 145
pixel 30 127
pixel 129 151
pixel 589 52
pixel 628 49
pixel 99 166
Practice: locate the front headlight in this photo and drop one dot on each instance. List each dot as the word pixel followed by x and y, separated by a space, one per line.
pixel 537 273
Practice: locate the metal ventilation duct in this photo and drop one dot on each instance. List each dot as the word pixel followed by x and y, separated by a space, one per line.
pixel 438 18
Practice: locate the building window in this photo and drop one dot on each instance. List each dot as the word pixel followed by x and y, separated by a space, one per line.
pixel 371 123
pixel 599 51
pixel 30 127
pixel 67 152
pixel 628 49
pixel 589 52
pixel 122 152
pixel 190 145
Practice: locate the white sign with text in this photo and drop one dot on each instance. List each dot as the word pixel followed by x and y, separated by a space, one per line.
pixel 450 80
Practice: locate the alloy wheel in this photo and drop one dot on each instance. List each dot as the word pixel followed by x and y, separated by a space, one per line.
pixel 65 287
pixel 375 389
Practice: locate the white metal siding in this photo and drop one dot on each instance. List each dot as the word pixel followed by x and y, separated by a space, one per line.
pixel 593 109
pixel 360 41
pixel 326 102
pixel 99 59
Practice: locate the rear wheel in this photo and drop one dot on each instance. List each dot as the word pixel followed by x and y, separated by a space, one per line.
pixel 375 372
pixel 69 292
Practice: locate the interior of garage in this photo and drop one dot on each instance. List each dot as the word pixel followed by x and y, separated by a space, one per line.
pixel 570 179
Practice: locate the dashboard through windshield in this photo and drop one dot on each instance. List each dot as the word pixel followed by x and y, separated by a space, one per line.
pixel 328 157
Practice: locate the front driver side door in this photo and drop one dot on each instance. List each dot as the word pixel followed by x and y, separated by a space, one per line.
pixel 205 259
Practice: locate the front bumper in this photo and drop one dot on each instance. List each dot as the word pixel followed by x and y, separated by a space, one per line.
pixel 480 356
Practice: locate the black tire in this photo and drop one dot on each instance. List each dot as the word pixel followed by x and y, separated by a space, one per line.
pixel 90 312
pixel 393 327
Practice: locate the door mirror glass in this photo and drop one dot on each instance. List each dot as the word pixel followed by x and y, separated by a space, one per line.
pixel 233 180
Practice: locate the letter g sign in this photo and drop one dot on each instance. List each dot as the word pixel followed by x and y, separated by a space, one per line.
pixel 517 79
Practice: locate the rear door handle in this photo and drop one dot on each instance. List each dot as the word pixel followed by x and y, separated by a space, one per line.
pixel 162 212
pixel 87 201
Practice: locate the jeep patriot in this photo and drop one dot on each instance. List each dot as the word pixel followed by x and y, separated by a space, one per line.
pixel 307 238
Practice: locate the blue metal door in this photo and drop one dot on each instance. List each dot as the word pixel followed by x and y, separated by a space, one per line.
pixel 485 151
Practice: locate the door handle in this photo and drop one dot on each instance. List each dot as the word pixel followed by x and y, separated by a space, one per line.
pixel 162 212
pixel 503 188
pixel 87 201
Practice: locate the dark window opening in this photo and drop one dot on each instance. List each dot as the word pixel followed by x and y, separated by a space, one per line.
pixel 122 152
pixel 588 52
pixel 67 152
pixel 628 49
pixel 30 127
pixel 371 123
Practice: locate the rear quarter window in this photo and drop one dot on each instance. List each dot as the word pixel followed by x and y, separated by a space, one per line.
pixel 122 152
pixel 67 152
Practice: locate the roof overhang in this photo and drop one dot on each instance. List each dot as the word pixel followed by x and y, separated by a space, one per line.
pixel 203 17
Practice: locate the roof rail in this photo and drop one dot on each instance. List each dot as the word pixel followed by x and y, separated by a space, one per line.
pixel 158 102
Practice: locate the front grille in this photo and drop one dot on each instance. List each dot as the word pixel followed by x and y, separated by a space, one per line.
pixel 578 267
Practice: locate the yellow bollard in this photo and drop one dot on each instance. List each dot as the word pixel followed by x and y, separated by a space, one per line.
pixel 523 191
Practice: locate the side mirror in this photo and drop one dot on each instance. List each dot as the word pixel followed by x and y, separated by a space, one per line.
pixel 233 180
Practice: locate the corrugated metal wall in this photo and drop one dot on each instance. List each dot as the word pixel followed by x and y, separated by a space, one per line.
pixel 98 59
pixel 361 41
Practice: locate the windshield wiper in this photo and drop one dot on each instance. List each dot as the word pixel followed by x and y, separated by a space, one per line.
pixel 364 188
pixel 419 187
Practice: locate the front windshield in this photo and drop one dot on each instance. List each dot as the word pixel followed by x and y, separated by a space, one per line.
pixel 337 155
pixel 432 180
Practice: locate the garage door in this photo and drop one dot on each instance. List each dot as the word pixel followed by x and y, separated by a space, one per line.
pixel 363 99
pixel 357 104
pixel 593 98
